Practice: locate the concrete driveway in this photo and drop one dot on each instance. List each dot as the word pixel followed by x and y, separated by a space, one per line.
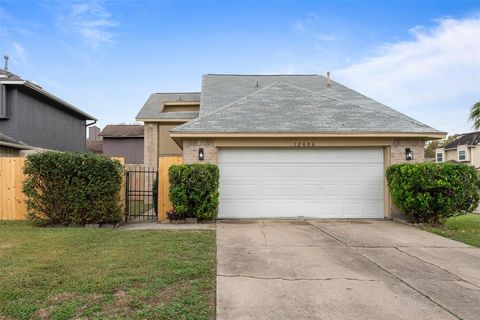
pixel 343 270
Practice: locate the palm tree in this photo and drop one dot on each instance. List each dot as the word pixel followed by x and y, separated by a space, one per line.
pixel 475 115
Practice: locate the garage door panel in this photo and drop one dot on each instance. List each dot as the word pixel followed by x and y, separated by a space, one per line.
pixel 323 183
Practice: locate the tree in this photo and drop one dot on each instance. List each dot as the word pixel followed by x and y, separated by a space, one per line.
pixel 475 115
pixel 435 144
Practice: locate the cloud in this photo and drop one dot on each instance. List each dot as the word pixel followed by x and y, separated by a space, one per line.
pixel 91 21
pixel 434 75
pixel 20 54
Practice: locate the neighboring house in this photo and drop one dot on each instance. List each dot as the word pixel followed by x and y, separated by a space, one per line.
pixel 161 113
pixel 10 147
pixel 123 141
pixel 465 149
pixel 39 119
pixel 94 141
pixel 289 146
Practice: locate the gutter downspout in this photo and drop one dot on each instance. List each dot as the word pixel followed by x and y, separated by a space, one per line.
pixel 91 124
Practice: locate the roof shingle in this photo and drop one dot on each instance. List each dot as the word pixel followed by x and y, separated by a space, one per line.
pixel 291 104
pixel 122 131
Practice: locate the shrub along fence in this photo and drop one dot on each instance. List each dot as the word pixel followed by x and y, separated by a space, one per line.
pixel 12 198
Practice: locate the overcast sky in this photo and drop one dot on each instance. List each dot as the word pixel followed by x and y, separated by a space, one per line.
pixel 106 57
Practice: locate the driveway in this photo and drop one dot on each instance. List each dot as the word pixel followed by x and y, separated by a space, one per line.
pixel 293 269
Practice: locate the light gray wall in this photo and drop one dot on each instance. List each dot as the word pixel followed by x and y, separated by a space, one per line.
pixel 42 123
pixel 129 148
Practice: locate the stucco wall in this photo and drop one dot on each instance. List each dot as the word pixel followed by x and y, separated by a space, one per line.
pixel 158 142
pixel 397 147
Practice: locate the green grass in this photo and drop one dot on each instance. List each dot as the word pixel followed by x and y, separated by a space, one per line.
pixel 463 228
pixel 64 273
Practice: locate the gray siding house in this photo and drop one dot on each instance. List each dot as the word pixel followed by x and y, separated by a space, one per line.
pixel 35 117
pixel 123 141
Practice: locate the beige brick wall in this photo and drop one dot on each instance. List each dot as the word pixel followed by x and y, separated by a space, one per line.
pixel 191 147
pixel 398 151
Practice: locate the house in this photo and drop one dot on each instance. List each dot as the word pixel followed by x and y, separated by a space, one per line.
pixel 161 113
pixel 124 141
pixel 37 118
pixel 465 149
pixel 288 146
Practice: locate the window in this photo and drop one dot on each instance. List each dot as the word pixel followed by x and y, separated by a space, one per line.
pixel 462 155
pixel 439 157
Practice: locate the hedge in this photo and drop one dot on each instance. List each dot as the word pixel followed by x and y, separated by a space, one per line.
pixel 72 188
pixel 194 190
pixel 431 192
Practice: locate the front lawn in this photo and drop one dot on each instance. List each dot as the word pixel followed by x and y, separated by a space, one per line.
pixel 64 273
pixel 463 228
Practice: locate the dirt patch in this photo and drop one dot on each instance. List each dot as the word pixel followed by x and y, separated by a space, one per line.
pixel 43 313
pixel 167 294
pixel 62 297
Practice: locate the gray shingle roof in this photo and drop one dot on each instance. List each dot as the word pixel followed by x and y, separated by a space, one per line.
pixel 471 139
pixel 122 131
pixel 152 109
pixel 303 103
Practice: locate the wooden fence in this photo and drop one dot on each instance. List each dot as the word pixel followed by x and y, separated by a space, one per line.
pixel 164 204
pixel 12 199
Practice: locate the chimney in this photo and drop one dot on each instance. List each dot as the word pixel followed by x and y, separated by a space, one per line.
pixel 5 57
pixel 93 132
pixel 328 79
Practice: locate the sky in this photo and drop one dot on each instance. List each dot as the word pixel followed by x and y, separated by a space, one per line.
pixel 106 57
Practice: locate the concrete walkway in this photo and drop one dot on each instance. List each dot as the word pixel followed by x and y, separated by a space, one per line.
pixel 343 270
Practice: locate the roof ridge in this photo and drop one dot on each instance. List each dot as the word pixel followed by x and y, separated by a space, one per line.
pixel 263 75
pixel 228 105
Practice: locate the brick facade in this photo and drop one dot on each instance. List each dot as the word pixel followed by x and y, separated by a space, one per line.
pixel 398 150
pixel 191 147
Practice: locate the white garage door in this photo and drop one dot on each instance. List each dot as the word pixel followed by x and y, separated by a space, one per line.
pixel 316 183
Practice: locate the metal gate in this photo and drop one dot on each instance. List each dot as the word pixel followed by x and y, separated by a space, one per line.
pixel 141 187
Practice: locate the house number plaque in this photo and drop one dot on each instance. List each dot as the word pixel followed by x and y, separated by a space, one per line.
pixel 304 144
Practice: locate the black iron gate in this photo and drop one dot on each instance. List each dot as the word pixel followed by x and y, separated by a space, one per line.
pixel 141 188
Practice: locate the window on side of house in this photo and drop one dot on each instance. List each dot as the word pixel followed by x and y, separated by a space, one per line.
pixel 462 155
pixel 439 157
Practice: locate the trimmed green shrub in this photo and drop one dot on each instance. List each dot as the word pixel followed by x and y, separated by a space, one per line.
pixel 431 192
pixel 72 188
pixel 194 190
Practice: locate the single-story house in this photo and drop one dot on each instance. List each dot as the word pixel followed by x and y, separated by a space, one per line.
pixel 289 146
pixel 124 141
pixel 465 149
pixel 39 119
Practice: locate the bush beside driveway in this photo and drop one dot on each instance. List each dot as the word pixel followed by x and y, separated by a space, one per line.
pixel 65 273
